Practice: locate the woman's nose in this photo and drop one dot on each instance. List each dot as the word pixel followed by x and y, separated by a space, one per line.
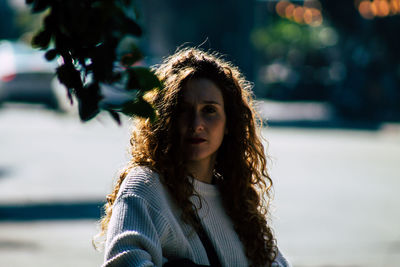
pixel 197 123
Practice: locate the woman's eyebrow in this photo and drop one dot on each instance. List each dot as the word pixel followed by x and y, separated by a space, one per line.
pixel 211 102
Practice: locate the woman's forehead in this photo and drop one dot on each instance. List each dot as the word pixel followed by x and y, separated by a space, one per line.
pixel 202 90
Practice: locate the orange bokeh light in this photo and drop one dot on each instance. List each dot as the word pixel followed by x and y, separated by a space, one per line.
pixel 315 12
pixel 395 6
pixel 281 8
pixel 308 16
pixel 378 8
pixel 374 9
pixel 289 10
pixel 382 8
pixel 366 9
pixel 317 17
pixel 298 14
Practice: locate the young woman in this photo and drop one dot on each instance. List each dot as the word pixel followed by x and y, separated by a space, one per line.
pixel 196 190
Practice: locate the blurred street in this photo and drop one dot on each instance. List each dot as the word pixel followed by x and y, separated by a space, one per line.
pixel 336 191
pixel 329 69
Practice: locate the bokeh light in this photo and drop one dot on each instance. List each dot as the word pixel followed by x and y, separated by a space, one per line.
pixel 378 8
pixel 316 17
pixel 366 10
pixel 382 8
pixel 395 6
pixel 298 14
pixel 281 8
pixel 309 13
pixel 289 11
pixel 308 16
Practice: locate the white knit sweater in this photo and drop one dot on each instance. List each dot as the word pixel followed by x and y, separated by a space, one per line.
pixel 146 230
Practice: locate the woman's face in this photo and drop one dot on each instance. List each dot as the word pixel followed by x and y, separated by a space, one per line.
pixel 202 120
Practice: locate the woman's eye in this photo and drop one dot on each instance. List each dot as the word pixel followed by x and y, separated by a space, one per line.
pixel 209 109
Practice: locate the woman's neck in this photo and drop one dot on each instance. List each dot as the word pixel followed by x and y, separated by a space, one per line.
pixel 201 170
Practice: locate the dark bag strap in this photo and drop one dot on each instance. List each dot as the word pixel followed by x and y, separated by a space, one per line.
pixel 182 263
pixel 211 254
pixel 210 250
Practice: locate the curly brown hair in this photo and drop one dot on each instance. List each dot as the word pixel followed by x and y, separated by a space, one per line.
pixel 245 187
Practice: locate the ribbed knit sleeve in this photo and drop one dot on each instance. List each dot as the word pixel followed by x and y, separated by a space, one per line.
pixel 136 226
pixel 132 235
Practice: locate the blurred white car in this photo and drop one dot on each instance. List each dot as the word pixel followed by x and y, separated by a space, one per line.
pixel 26 76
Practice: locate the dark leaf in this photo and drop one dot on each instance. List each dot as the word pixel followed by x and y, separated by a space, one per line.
pixel 130 26
pixel 128 52
pixel 51 54
pixel 129 59
pixel 126 2
pixel 140 108
pixel 115 116
pixel 50 21
pixel 88 110
pixel 87 35
pixel 69 76
pixel 142 78
pixel 69 94
pixel 41 39
pixel 117 77
pixel 103 62
pixel 40 5
pixel 61 42
pixel 89 99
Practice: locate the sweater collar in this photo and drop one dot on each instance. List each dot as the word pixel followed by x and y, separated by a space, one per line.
pixel 205 189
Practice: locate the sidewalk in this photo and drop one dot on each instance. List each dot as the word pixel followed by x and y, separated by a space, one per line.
pixel 308 115
pixel 336 201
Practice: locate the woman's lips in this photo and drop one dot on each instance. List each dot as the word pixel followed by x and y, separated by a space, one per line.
pixel 196 141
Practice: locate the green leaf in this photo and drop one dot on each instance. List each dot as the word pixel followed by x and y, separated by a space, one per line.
pixel 142 78
pixel 140 108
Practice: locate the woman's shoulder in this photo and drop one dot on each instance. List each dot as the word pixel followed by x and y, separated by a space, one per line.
pixel 141 181
pixel 281 261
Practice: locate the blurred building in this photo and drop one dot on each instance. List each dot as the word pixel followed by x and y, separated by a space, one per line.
pixel 345 53
pixel 223 26
pixel 311 50
pixel 8 29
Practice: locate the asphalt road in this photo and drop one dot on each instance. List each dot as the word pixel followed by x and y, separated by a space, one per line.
pixel 336 191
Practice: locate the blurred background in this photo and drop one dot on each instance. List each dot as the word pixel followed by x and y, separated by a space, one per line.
pixel 326 77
